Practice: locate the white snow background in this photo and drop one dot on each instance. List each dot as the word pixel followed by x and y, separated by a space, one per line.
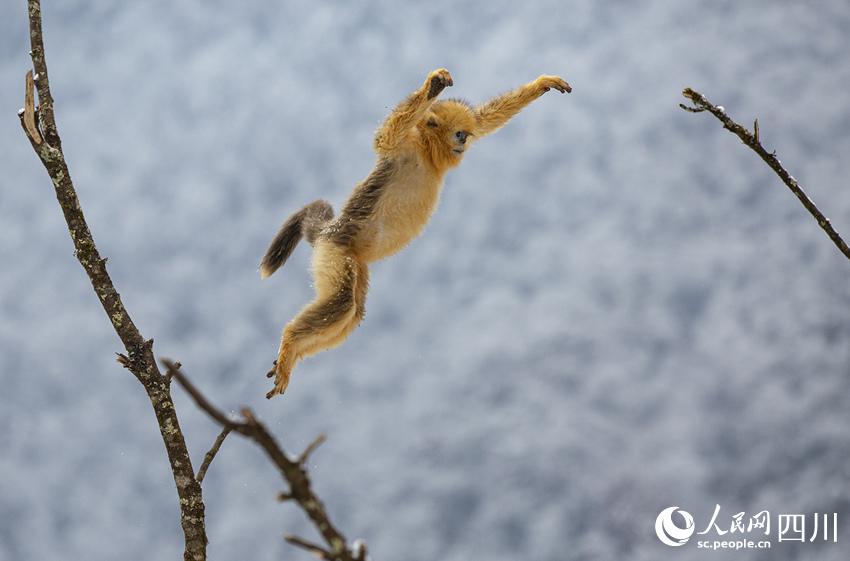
pixel 617 307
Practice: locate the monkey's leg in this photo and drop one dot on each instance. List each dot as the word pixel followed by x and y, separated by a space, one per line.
pixel 499 110
pixel 361 287
pixel 318 325
pixel 410 111
pixel 360 291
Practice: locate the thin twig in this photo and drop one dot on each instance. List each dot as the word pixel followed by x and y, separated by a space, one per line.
pixel 753 141
pixel 691 109
pixel 305 455
pixel 39 125
pixel 316 550
pixel 292 471
pixel 210 456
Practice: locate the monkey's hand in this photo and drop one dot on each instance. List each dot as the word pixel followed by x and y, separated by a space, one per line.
pixel 545 83
pixel 395 130
pixel 437 81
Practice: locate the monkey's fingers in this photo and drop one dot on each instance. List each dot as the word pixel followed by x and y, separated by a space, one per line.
pixel 562 86
pixel 556 82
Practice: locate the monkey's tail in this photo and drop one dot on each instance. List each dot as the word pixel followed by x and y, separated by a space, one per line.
pixel 307 222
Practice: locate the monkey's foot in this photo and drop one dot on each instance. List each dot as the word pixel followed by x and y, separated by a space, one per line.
pixel 437 81
pixel 281 379
pixel 546 82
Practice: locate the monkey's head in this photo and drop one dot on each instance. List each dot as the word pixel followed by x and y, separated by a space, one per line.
pixel 446 131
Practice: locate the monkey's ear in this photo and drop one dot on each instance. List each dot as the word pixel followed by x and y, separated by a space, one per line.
pixel 432 122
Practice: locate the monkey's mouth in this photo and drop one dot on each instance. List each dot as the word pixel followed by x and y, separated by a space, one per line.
pixel 458 150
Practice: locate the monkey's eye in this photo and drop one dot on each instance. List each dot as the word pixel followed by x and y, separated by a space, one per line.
pixel 432 122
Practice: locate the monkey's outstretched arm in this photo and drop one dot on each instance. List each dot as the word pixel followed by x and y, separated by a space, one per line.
pixel 410 111
pixel 501 109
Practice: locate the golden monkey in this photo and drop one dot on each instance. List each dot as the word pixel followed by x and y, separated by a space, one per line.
pixel 418 143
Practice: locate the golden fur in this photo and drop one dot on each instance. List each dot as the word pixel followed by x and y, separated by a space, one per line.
pixel 417 144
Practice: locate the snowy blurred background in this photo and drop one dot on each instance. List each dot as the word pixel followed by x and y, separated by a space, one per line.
pixel 617 307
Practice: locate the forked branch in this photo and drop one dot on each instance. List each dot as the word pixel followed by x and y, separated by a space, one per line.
pixel 294 472
pixel 752 140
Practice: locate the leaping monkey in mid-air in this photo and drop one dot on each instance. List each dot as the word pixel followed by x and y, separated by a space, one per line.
pixel 417 144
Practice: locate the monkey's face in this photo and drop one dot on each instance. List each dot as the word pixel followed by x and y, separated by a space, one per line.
pixel 448 129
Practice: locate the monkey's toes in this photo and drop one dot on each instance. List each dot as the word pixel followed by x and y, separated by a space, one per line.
pixel 281 380
pixel 270 373
pixel 278 389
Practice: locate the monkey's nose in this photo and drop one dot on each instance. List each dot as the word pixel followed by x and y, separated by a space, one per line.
pixel 461 136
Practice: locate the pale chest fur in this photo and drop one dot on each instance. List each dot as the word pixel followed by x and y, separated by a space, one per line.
pixel 406 204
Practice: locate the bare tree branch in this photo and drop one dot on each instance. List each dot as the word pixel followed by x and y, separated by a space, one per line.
pixel 40 127
pixel 292 471
pixel 210 456
pixel 752 140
